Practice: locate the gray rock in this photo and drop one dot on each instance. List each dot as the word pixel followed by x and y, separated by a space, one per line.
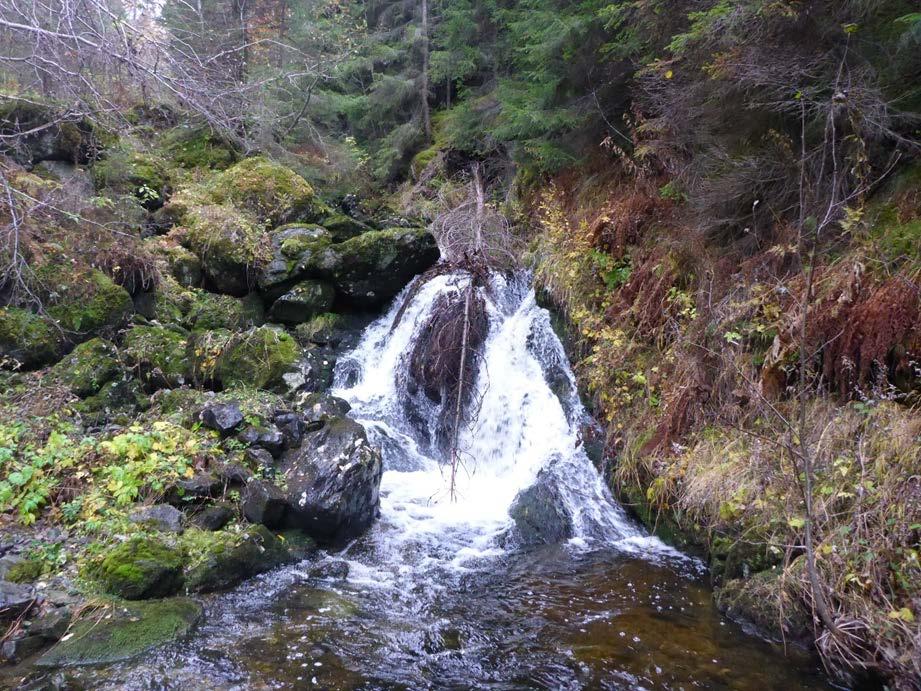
pixel 200 485
pixel 304 301
pixel 319 408
pixel 333 481
pixel 264 503
pixel 234 474
pixel 163 517
pixel 292 426
pixel 222 417
pixel 333 570
pixel 269 438
pixel 213 517
pixel 540 513
pixel 15 599
pixel 260 458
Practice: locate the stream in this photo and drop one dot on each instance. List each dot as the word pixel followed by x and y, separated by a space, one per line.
pixel 439 592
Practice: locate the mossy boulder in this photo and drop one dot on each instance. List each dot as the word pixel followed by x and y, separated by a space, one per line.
pixel 230 244
pixel 90 366
pixel 120 398
pixel 139 569
pixel 322 329
pixel 158 354
pixel 211 311
pixel 86 303
pixel 373 267
pixel 25 571
pixel 204 353
pixel 141 175
pixel 27 339
pixel 122 632
pixel 304 301
pixel 221 559
pixel 289 245
pixel 184 266
pixel 342 227
pixel 258 358
pixel 270 191
pixel 51 136
pixel 198 147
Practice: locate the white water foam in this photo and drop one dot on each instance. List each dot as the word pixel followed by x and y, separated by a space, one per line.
pixel 522 428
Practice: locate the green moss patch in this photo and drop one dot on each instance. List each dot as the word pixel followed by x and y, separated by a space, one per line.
pixel 158 353
pixel 123 632
pixel 140 569
pixel 27 339
pixel 91 365
pixel 220 560
pixel 141 175
pixel 258 358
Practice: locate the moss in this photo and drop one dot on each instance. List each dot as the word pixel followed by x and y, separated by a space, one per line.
pixel 205 348
pixel 304 301
pixel 27 339
pixel 184 266
pixel 122 632
pixel 86 303
pixel 140 568
pixel 198 147
pixel 296 243
pixel 230 244
pixel 220 560
pixel 258 358
pixel 320 329
pixel 88 367
pixel 343 227
pixel 130 172
pixel 158 353
pixel 116 400
pixel 269 190
pixel 25 571
pixel 210 311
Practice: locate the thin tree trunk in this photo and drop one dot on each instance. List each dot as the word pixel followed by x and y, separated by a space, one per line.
pixel 424 96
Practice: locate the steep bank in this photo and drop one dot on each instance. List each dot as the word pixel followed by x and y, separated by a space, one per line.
pixel 688 355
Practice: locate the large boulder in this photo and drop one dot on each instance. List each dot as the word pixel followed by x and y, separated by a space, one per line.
pixel 158 354
pixel 27 339
pixel 304 301
pixel 333 480
pixel 125 632
pixel 141 175
pixel 42 134
pixel 225 559
pixel 343 227
pixel 89 367
pixel 84 304
pixel 373 267
pixel 258 358
pixel 288 244
pixel 540 513
pixel 366 270
pixel 139 569
pixel 229 243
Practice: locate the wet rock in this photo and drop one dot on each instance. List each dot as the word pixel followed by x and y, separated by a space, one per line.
pixel 20 645
pixel 139 569
pixel 333 570
pixel 333 481
pixel 15 598
pixel 199 486
pixel 319 408
pixel 162 517
pixel 342 227
pixel 269 438
pixel 222 417
pixel 304 301
pixel 314 371
pixel 213 517
pixel 129 631
pixel 292 426
pixel 540 513
pixel 264 503
pixel 228 559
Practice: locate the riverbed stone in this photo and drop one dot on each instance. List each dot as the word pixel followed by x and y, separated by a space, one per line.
pixel 320 408
pixel 15 598
pixel 123 631
pixel 227 559
pixel 333 481
pixel 213 517
pixel 540 513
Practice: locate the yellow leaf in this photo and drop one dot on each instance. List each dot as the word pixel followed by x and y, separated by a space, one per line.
pixel 669 74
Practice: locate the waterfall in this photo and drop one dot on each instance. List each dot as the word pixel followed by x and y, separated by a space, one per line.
pixel 528 420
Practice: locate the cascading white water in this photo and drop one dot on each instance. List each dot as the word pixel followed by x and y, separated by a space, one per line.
pixel 522 426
